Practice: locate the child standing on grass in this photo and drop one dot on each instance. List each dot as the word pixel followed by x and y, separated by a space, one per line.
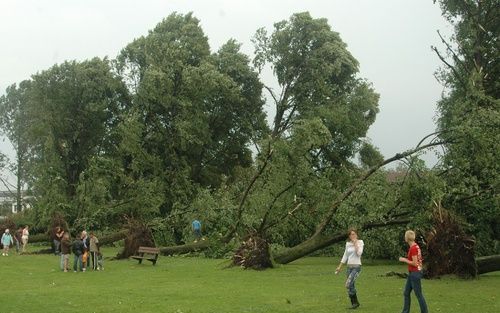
pixel 86 247
pixel 6 242
pixel 413 282
pixel 100 261
pixel 78 252
pixel 94 250
pixel 65 252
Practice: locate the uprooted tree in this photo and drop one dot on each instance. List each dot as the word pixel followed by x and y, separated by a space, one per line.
pixel 172 124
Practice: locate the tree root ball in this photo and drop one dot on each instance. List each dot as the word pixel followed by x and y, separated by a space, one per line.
pixel 253 253
pixel 448 249
pixel 138 234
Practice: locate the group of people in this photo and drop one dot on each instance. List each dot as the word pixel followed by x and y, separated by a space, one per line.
pixel 352 257
pixel 20 238
pixel 85 249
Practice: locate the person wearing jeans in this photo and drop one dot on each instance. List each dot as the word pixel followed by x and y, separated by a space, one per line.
pixel 78 253
pixel 65 252
pixel 352 257
pixel 413 282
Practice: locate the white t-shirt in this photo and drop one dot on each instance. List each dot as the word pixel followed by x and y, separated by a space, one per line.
pixel 351 257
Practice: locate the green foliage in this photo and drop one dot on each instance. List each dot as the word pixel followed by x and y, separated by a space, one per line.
pixel 199 110
pixel 317 77
pixel 369 155
pixel 14 124
pixel 469 117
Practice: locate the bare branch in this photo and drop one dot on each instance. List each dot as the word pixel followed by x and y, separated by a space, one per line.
pixel 449 66
pixel 270 90
pixel 321 227
pixel 289 213
pixel 6 184
pixel 268 211
pixel 230 233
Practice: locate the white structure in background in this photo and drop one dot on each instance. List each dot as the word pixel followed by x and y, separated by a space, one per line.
pixel 8 203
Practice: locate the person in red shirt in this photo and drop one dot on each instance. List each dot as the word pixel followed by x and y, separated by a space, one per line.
pixel 413 282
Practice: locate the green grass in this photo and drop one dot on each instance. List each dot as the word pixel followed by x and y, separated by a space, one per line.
pixel 33 283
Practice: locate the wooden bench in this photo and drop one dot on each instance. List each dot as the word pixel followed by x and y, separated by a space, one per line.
pixel 147 253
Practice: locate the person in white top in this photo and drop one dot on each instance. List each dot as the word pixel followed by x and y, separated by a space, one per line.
pixel 352 257
pixel 24 237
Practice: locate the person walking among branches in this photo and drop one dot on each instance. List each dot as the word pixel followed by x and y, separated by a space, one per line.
pixel 352 257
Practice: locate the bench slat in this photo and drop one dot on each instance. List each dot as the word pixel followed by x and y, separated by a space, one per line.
pixel 148 250
pixel 147 253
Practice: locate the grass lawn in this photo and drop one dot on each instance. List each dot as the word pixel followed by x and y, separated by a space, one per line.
pixel 33 283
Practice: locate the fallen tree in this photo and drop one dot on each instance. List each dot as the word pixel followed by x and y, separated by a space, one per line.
pixel 447 249
pixel 186 248
pixel 319 240
pixel 487 264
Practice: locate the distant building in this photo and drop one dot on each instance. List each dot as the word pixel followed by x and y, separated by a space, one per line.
pixel 8 203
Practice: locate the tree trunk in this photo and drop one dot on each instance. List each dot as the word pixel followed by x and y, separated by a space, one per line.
pixel 189 247
pixel 304 248
pixel 488 264
pixel 319 241
pixel 109 239
pixel 19 185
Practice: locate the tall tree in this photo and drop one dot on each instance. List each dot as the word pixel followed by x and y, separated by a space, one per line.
pixel 323 110
pixel 469 114
pixel 73 107
pixel 316 75
pixel 15 123
pixel 200 110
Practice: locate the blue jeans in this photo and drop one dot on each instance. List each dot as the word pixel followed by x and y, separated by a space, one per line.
pixel 352 275
pixel 197 234
pixel 413 283
pixel 78 261
pixel 57 247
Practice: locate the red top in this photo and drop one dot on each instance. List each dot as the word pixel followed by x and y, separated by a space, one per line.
pixel 415 250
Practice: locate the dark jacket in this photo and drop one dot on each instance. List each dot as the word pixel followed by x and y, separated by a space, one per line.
pixel 18 235
pixel 65 246
pixel 78 247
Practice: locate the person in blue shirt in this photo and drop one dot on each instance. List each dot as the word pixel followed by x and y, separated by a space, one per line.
pixel 6 242
pixel 196 226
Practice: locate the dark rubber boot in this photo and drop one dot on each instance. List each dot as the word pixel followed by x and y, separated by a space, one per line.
pixel 354 302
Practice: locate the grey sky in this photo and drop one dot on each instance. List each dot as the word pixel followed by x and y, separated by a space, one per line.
pixel 390 38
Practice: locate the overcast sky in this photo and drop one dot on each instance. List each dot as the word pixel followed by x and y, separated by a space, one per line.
pixel 391 39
